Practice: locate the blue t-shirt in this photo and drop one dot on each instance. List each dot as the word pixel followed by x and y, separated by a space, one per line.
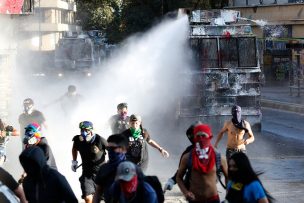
pixel 252 193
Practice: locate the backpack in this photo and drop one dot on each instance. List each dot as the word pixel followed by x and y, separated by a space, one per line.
pixel 156 185
pixel 219 170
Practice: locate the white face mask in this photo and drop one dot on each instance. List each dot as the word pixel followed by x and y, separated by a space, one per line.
pixel 202 152
pixel 28 109
pixel 32 141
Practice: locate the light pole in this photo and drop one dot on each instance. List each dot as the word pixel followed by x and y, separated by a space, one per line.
pixel 39 27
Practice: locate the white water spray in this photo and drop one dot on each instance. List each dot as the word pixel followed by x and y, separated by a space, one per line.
pixel 144 73
pixel 260 23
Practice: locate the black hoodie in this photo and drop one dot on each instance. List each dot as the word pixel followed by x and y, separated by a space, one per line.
pixel 42 183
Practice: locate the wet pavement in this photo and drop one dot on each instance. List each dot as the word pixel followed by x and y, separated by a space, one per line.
pixel 278 151
pixel 280 159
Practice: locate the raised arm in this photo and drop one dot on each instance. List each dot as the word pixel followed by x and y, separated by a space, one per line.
pixel 158 147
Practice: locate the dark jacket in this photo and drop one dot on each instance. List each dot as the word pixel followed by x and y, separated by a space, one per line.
pixel 50 159
pixel 138 148
pixel 42 183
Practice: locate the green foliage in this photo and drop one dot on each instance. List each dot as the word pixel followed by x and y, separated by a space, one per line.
pixel 121 18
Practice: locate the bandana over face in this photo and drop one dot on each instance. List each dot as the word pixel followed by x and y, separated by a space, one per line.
pixel 135 132
pixel 203 155
pixel 236 112
pixel 129 187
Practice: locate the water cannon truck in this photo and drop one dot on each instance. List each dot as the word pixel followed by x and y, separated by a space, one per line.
pixel 226 72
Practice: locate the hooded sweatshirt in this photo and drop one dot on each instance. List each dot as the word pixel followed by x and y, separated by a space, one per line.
pixel 42 183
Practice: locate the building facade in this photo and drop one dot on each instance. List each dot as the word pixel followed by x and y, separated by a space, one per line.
pixel 50 20
pixel 277 23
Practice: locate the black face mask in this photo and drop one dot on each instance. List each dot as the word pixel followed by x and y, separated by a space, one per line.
pixel 236 114
pixel 115 156
pixel 234 176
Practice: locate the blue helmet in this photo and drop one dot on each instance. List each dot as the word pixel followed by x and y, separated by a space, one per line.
pixel 86 125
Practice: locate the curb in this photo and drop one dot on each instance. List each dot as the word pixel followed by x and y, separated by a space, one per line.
pixel 292 107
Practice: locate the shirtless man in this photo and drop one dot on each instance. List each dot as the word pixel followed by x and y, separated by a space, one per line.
pixel 202 182
pixel 236 128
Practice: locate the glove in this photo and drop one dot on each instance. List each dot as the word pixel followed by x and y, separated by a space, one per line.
pixel 169 184
pixel 74 165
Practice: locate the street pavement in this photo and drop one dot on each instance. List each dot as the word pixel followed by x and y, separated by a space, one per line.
pixel 278 151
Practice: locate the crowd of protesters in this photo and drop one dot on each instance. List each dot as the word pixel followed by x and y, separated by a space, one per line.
pixel 113 169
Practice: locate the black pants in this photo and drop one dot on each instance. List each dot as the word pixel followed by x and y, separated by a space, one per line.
pixel 231 151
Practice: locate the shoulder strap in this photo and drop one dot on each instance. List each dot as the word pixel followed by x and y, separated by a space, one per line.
pixel 218 162
pixel 189 163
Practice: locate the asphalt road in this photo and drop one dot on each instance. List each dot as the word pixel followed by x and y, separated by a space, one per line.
pixel 278 151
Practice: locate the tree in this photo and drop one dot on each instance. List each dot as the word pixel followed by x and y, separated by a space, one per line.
pixel 121 18
pixel 98 14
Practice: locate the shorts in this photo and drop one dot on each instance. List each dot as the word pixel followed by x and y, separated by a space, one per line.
pixel 214 199
pixel 87 184
pixel 231 151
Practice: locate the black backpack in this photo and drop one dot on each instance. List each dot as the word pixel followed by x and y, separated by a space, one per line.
pixel 156 185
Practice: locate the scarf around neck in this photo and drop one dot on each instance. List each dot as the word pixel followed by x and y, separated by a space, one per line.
pixel 135 132
pixel 203 156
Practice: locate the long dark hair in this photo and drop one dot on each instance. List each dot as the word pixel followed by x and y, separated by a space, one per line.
pixel 246 174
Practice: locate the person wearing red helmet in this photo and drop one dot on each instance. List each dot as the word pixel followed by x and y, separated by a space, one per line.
pixel 202 184
pixel 33 137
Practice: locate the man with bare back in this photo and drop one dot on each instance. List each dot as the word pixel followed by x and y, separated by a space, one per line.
pixel 201 163
pixel 236 128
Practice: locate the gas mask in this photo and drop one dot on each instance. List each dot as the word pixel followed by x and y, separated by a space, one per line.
pixel 30 140
pixel 86 135
pixel 28 108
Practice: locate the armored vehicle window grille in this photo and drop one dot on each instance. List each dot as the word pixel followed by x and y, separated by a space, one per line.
pixel 225 53
pixel 247 52
pixel 205 52
pixel 228 52
pixel 208 53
